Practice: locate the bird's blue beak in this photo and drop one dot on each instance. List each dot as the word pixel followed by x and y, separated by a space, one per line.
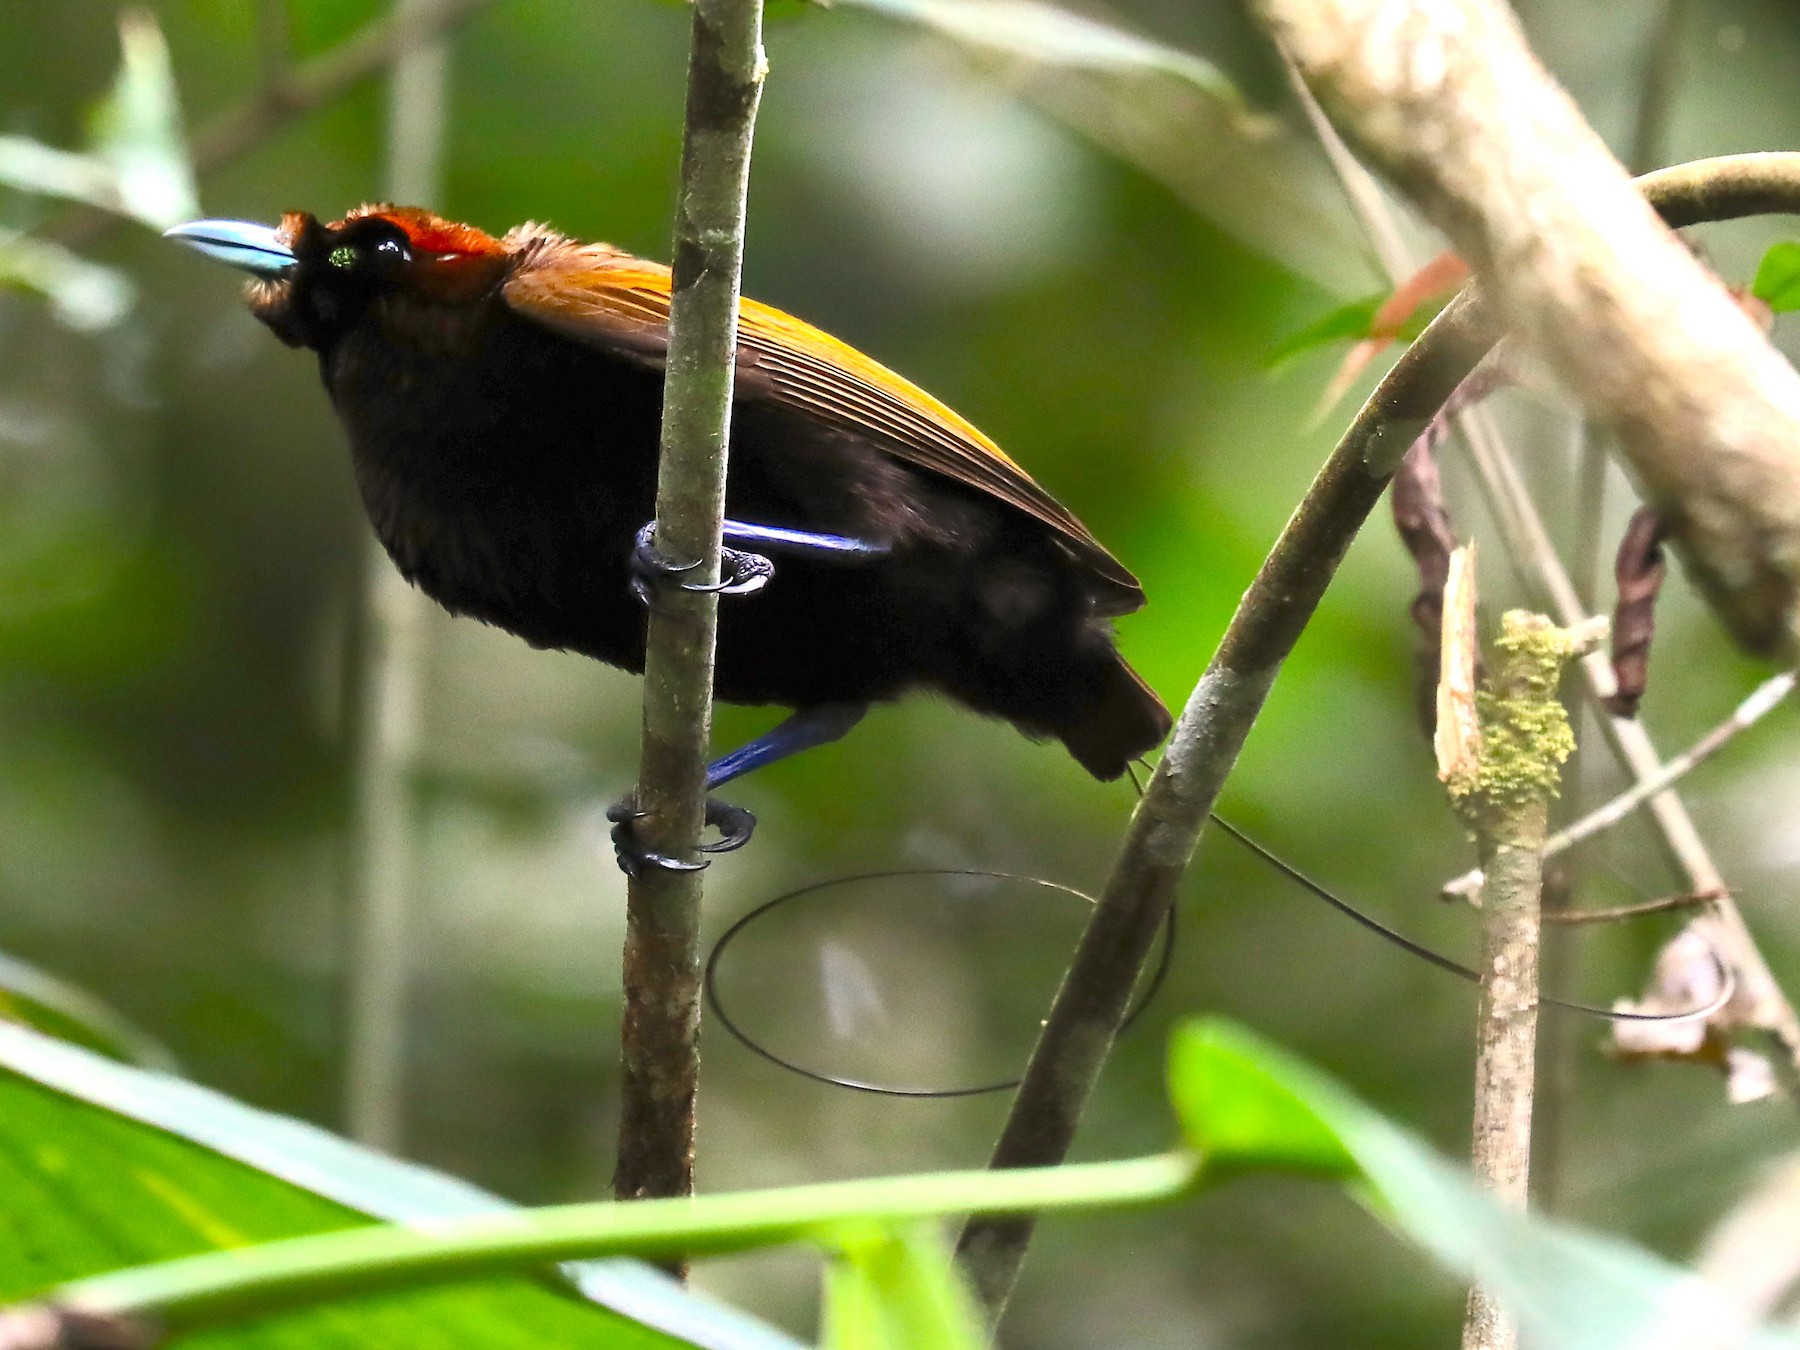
pixel 254 248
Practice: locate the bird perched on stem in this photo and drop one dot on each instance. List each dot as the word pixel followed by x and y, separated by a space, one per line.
pixel 503 400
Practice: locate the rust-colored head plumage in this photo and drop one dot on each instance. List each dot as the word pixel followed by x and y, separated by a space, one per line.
pixel 405 260
pixel 432 236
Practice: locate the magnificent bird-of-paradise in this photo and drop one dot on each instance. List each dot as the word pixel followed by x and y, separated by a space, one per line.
pixel 503 399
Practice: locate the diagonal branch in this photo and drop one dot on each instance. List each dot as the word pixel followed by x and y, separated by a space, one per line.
pixel 1165 829
pixel 661 1028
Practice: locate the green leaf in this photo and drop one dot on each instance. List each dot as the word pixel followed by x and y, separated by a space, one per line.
pixel 1345 322
pixel 54 1006
pixel 136 129
pixel 83 295
pixel 1777 282
pixel 1241 1107
pixel 104 1166
pixel 896 1288
pixel 1171 113
pixel 1569 1290
pixel 1353 321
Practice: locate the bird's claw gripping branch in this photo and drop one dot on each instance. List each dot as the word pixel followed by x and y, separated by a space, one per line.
pixel 740 572
pixel 734 824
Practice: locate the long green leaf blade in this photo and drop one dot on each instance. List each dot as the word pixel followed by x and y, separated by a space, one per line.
pixel 184 1170
pixel 1254 1105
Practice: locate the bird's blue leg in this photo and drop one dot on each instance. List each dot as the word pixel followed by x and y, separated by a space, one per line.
pixel 807 728
pixel 741 572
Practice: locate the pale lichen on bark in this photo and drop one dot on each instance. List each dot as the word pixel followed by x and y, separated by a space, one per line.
pixel 1525 732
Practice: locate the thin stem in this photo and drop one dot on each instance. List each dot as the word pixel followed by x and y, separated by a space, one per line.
pixel 387 681
pixel 1166 826
pixel 661 1027
pixel 1501 777
pixel 178 1297
pixel 1656 93
pixel 1085 1017
pixel 1620 913
pixel 1506 1035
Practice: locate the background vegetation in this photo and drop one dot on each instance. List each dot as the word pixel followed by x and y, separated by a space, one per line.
pixel 179 555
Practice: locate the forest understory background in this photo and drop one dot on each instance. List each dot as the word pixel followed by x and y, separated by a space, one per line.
pixel 180 551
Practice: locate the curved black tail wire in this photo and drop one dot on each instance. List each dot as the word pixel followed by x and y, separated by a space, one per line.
pixel 1727 981
pixel 709 979
pixel 1165 959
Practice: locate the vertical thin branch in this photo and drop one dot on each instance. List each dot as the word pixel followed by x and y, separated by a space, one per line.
pixel 390 656
pixel 1561 1044
pixel 661 1028
pixel 1501 772
pixel 1506 1035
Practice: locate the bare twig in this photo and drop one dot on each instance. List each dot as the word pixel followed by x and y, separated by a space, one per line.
pixel 661 1030
pixel 389 655
pixel 1084 1019
pixel 1501 776
pixel 1761 701
pixel 1621 913
pixel 1662 62
pixel 1451 105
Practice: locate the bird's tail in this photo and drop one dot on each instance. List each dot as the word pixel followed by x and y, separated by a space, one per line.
pixel 1124 720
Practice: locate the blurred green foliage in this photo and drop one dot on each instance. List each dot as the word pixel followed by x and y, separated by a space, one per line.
pixel 178 545
pixel 103 1169
pixel 220 1184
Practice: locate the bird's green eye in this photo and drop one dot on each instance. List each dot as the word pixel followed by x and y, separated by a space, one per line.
pixel 342 256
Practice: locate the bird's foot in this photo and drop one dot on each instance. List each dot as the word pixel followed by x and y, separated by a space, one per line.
pixel 740 573
pixel 734 824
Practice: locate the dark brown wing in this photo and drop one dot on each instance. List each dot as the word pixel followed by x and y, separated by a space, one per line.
pixel 621 303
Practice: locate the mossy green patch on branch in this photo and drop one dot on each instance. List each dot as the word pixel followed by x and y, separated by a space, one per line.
pixel 1525 731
